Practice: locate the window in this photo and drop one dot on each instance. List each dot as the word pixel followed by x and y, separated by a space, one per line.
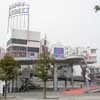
pixel 17 41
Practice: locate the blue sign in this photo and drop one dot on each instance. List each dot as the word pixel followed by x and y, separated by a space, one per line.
pixel 59 52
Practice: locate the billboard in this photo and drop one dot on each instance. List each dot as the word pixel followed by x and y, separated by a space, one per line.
pixel 59 52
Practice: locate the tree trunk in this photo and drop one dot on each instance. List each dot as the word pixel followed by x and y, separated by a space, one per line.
pixel 65 83
pixel 16 85
pixel 44 90
pixel 5 89
pixel 12 85
pixel 72 81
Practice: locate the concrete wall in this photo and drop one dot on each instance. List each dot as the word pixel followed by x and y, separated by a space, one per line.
pixel 22 34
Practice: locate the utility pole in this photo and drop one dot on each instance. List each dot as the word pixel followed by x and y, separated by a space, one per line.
pixel 55 80
pixel 27 52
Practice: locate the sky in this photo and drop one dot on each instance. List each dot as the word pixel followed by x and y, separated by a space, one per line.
pixel 72 22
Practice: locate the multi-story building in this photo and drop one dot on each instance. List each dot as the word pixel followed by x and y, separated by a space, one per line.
pixel 60 51
pixel 24 47
pixel 23 44
pixel 88 53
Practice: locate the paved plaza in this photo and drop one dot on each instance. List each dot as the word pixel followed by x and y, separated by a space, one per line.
pixel 37 95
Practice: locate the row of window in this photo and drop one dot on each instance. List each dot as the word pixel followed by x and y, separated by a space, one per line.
pixel 21 54
pixel 23 49
pixel 17 41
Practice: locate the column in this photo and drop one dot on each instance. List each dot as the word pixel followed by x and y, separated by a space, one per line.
pixel 55 78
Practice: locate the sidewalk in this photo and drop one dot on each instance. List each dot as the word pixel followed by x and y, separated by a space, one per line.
pixel 34 95
pixel 38 95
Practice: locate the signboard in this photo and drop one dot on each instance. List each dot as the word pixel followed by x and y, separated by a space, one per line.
pixel 59 52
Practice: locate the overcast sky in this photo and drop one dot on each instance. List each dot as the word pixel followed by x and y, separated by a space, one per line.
pixel 72 22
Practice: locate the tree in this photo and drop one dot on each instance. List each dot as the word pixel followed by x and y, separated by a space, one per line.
pixel 41 69
pixel 8 69
pixel 97 8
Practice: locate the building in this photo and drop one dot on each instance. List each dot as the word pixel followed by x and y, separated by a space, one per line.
pixel 90 54
pixel 62 52
pixel 23 44
pixel 22 47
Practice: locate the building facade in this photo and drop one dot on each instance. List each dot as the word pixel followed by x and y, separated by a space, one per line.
pixel 24 45
pixel 90 54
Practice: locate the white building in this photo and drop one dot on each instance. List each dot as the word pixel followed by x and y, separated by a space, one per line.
pixel 90 54
pixel 24 45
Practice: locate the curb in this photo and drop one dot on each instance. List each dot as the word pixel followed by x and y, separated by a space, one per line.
pixel 51 98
